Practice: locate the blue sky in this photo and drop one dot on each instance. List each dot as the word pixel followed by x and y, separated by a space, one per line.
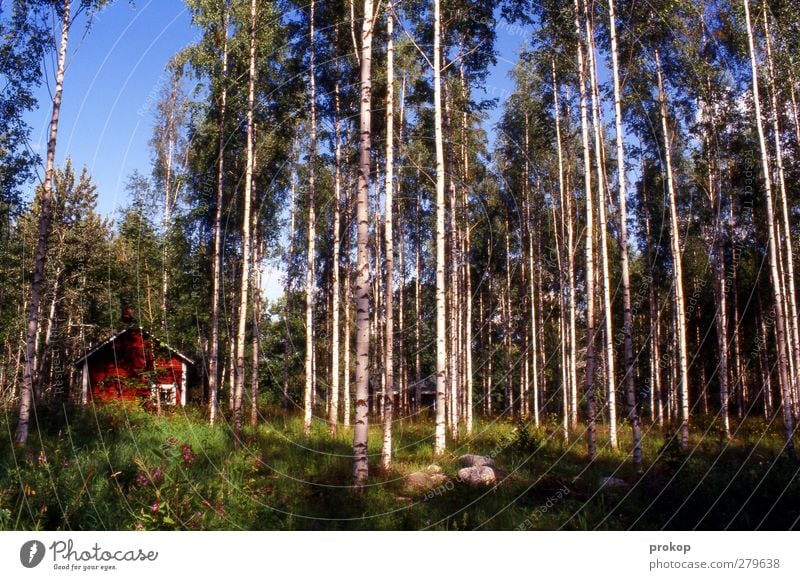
pixel 114 74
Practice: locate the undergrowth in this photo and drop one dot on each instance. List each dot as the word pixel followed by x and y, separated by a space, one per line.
pixel 118 467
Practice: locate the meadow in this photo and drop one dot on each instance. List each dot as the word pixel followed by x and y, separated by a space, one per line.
pixel 118 467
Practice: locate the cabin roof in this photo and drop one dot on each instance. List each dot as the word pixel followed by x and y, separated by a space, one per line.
pixel 145 333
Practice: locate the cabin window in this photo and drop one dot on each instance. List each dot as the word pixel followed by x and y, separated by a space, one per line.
pixel 166 392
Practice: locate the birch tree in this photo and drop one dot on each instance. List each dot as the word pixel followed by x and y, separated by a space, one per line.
pixel 32 325
pixel 388 361
pixel 360 462
pixel 312 235
pixel 441 312
pixel 627 318
pixel 777 287
pixel 241 332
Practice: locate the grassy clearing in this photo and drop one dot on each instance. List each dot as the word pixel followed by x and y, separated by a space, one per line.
pixel 119 468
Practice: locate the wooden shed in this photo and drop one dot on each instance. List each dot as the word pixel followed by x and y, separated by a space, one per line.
pixel 134 365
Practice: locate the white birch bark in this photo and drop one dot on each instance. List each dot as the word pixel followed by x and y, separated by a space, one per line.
pixel 308 402
pixel 677 263
pixel 360 462
pixel 441 313
pixel 32 326
pixel 388 404
pixel 788 420
pixel 241 334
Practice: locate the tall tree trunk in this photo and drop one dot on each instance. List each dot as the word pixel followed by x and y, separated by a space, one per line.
pixel 720 282
pixel 377 320
pixel 788 420
pixel 562 324
pixel 241 333
pixel 791 295
pixel 232 362
pixel 45 216
pixel 417 305
pixel 360 462
pixel 680 310
pixel 308 402
pixel 216 268
pixel 656 399
pixel 766 374
pixel 165 225
pixel 490 369
pixel 587 175
pixel 531 286
pixel 467 271
pixel 453 300
pixel 401 329
pixel 333 411
pixel 254 373
pixel 441 313
pixel 569 374
pixel 597 124
pixel 39 367
pixel 288 283
pixel 740 383
pixel 627 318
pixel 347 321
pixel 388 361
pixel 507 339
pixel 403 387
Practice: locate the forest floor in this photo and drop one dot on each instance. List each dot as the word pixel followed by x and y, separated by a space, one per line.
pixel 121 468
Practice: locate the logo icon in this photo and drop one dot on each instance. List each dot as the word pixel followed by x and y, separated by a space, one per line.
pixel 31 553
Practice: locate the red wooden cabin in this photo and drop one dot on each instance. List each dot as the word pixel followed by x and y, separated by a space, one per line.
pixel 134 365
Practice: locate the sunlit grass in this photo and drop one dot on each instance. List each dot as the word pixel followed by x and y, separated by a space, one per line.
pixel 117 467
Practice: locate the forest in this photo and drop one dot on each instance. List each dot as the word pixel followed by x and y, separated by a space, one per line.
pixel 568 305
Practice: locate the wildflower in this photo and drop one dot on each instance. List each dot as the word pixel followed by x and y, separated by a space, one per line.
pixel 139 526
pixel 155 507
pixel 158 476
pixel 187 454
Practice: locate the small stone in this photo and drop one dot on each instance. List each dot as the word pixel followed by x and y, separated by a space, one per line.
pixel 477 475
pixel 613 482
pixel 433 468
pixel 475 460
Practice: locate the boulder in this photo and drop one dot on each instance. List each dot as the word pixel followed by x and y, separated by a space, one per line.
pixel 424 480
pixel 475 460
pixel 477 475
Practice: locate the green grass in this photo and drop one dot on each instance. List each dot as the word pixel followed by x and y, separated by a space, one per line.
pixel 119 468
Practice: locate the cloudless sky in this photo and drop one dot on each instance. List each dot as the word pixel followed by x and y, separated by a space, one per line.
pixel 112 81
pixel 113 76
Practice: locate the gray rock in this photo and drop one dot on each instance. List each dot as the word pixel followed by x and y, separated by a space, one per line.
pixel 424 480
pixel 613 482
pixel 475 460
pixel 477 475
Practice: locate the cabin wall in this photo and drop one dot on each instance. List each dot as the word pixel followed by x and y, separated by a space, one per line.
pixel 125 368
